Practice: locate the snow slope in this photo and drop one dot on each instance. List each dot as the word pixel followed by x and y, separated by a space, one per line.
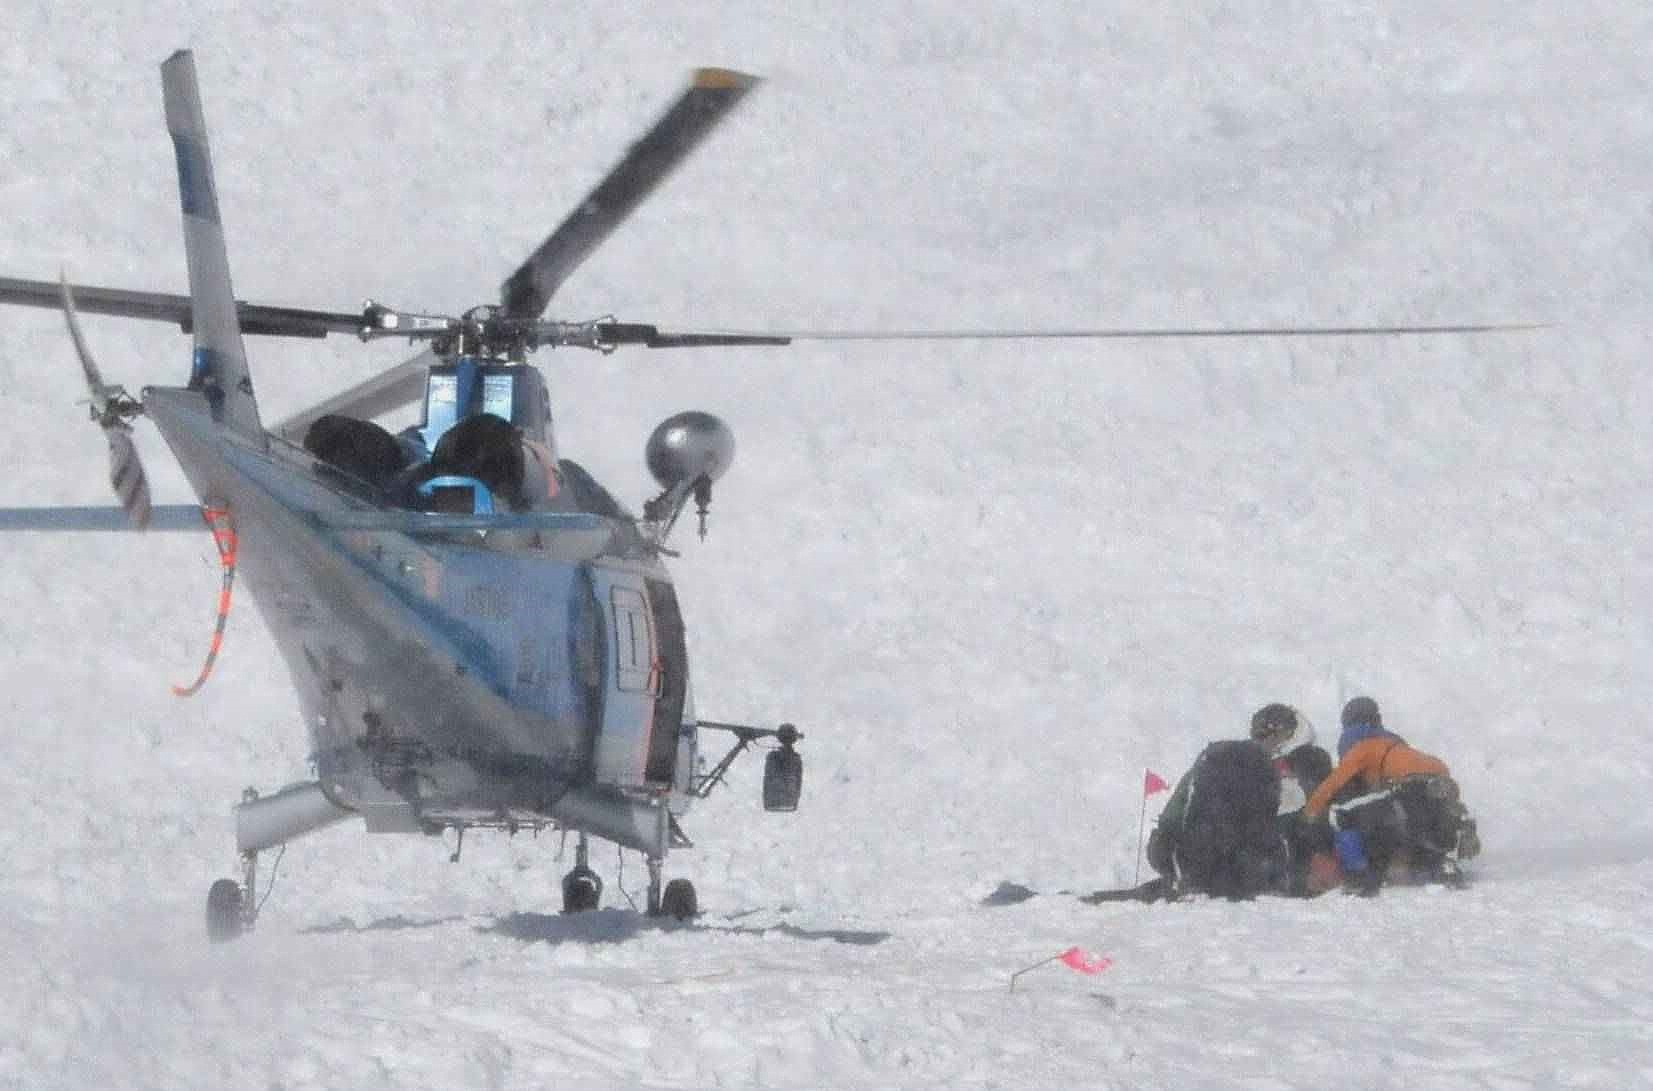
pixel 991 582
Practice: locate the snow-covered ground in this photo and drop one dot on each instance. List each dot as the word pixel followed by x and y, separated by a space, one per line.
pixel 991 582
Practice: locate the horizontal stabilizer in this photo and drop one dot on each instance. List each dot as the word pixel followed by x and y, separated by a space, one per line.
pixel 161 517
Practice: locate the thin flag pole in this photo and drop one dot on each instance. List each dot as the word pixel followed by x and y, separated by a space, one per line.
pixel 1076 959
pixel 1035 966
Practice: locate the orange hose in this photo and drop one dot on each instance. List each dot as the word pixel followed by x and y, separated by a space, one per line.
pixel 223 536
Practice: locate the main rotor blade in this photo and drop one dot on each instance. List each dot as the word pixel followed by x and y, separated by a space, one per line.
pixel 639 333
pixel 1122 334
pixel 255 318
pixel 384 392
pixel 710 96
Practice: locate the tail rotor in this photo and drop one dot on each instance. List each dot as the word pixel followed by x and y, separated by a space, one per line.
pixel 112 408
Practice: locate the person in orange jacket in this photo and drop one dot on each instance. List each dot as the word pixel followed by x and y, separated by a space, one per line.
pixel 1410 811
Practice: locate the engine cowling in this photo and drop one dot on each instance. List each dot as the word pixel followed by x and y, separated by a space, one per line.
pixel 687 446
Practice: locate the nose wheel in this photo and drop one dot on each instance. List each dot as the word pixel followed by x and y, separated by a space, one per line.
pixel 675 900
pixel 678 901
pixel 582 888
pixel 224 921
pixel 231 908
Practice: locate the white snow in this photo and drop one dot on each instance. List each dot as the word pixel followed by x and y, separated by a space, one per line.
pixel 991 582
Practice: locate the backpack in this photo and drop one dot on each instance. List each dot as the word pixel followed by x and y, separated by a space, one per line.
pixel 1229 844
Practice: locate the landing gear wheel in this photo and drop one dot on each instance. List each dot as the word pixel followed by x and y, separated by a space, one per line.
pixel 678 901
pixel 224 911
pixel 582 889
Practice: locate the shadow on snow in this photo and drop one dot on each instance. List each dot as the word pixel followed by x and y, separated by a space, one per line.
pixel 615 925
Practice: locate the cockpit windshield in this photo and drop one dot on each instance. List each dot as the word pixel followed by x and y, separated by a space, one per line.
pixel 468 387
pixel 451 396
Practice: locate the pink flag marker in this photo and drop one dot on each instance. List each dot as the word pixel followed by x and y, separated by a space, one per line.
pixel 1151 782
pixel 1077 958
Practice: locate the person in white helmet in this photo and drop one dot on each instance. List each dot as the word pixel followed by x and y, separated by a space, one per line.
pixel 1287 737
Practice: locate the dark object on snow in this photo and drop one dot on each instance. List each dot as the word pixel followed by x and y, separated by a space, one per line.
pixel 1160 889
pixel 1217 833
pixel 1362 710
pixel 1008 893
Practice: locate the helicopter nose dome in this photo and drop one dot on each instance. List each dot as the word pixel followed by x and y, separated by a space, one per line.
pixel 689 445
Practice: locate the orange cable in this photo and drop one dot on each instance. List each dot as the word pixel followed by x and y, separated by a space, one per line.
pixel 223 536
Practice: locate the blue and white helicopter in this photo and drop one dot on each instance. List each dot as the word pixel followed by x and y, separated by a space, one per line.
pixel 479 635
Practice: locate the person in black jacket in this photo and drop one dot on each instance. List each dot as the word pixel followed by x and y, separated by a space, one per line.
pixel 1287 737
pixel 1217 834
pixel 1231 825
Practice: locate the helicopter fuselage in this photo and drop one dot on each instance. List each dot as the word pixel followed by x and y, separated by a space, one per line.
pixel 455 678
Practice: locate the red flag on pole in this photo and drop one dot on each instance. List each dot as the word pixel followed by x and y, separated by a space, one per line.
pixel 1152 782
pixel 1077 958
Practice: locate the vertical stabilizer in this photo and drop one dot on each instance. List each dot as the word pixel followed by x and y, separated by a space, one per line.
pixel 220 366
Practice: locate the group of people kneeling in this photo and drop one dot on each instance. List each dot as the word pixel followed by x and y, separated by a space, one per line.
pixel 1273 814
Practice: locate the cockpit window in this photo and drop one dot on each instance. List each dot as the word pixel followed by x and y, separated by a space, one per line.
pixel 496 395
pixel 441 407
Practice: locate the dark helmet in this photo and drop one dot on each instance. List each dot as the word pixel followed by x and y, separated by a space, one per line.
pixel 1280 728
pixel 1362 710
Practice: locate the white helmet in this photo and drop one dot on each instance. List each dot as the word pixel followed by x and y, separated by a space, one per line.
pixel 1280 729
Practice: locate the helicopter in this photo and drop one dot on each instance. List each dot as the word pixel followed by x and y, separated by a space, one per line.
pixel 479 635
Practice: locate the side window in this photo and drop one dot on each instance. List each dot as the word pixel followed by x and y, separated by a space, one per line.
pixel 633 642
